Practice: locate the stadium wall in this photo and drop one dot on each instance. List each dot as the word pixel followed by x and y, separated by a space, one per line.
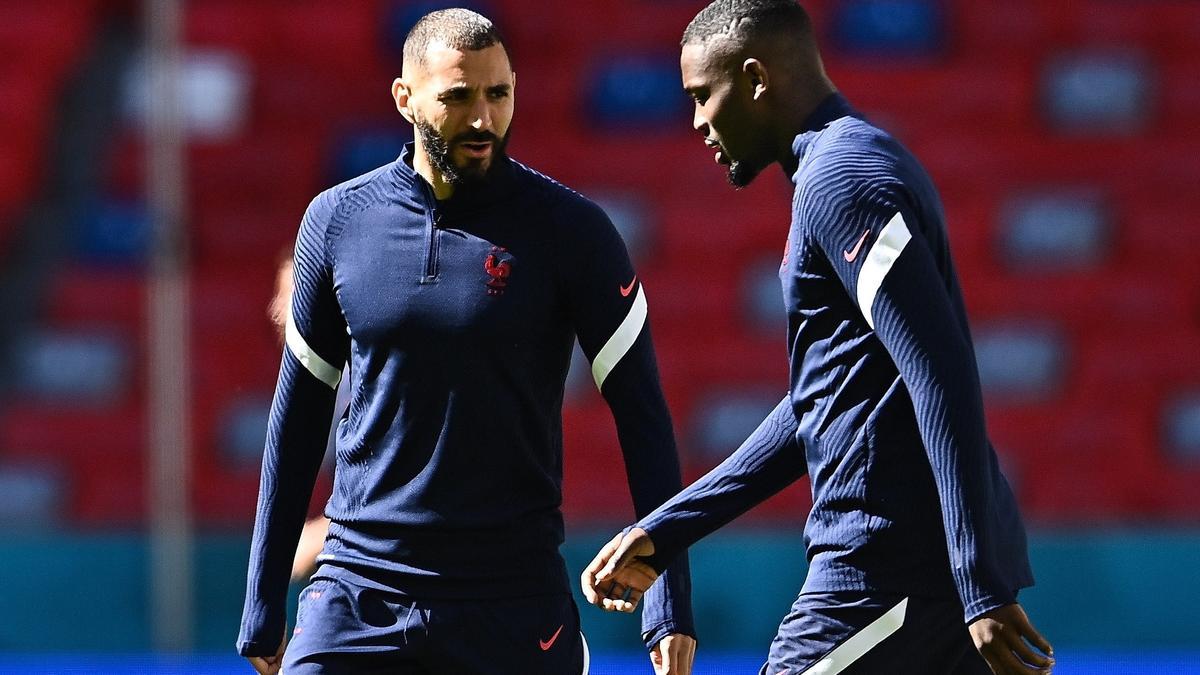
pixel 1109 589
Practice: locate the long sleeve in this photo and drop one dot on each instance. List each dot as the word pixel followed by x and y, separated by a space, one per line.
pixel 316 345
pixel 908 299
pixel 609 308
pixel 768 461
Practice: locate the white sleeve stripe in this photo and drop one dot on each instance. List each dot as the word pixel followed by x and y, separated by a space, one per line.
pixel 312 362
pixel 883 254
pixel 587 655
pixel 860 643
pixel 618 345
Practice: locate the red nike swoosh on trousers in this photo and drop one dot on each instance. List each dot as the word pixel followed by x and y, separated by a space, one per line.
pixel 853 253
pixel 547 644
pixel 626 290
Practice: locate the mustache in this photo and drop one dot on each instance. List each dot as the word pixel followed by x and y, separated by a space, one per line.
pixel 476 137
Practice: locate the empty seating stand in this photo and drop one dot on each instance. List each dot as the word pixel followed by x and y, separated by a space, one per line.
pixel 1072 218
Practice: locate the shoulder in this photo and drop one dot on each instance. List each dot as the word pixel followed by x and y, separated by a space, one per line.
pixel 332 204
pixel 326 215
pixel 849 149
pixel 850 160
pixel 568 212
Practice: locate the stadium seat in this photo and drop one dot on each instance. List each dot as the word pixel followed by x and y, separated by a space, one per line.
pixel 1020 360
pixel 1181 421
pixel 100 447
pixel 83 296
pixel 243 430
pixel 724 418
pixel 987 96
pixel 762 297
pixel 593 478
pixel 1099 92
pixel 73 367
pixel 364 150
pixel 213 88
pixel 889 28
pixel 1056 231
pixel 632 216
pixel 635 92
pixel 32 496
pixel 114 233
pixel 1028 114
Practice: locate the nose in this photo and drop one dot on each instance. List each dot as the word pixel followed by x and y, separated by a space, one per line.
pixel 699 123
pixel 481 116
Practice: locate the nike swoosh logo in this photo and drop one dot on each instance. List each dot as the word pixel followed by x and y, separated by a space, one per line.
pixel 626 290
pixel 547 644
pixel 853 253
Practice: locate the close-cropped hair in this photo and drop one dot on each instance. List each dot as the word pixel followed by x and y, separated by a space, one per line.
pixel 456 28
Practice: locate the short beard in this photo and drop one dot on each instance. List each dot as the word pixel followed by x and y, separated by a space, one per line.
pixel 741 174
pixel 437 148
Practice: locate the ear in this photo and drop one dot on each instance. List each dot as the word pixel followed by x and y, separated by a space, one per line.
pixel 401 92
pixel 759 79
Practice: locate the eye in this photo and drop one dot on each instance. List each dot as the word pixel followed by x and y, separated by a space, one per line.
pixel 498 94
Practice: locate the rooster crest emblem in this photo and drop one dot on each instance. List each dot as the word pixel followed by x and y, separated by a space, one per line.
pixel 498 266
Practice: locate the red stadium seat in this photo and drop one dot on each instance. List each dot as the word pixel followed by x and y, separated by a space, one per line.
pixel 1087 451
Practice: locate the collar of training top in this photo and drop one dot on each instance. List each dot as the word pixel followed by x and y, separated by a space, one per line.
pixel 495 188
pixel 834 107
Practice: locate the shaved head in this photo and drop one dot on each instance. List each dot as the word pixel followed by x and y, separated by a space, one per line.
pixel 459 29
pixel 728 29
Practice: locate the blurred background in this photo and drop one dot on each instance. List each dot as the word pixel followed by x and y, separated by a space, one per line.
pixel 137 362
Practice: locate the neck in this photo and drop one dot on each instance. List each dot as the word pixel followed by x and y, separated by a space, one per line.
pixel 809 93
pixel 442 190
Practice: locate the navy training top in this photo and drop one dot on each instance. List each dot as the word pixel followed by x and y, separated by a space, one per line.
pixel 884 410
pixel 458 319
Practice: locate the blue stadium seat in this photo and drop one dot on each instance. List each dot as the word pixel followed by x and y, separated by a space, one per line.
pixel 31 496
pixel 214 90
pixel 633 90
pixel 889 27
pixel 78 367
pixel 1020 360
pixel 363 150
pixel 243 430
pixel 1099 92
pixel 762 297
pixel 724 419
pixel 630 215
pixel 1056 231
pixel 1181 422
pixel 115 232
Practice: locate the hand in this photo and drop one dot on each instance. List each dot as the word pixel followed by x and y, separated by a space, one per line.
pixel 270 665
pixel 616 578
pixel 673 655
pixel 1003 636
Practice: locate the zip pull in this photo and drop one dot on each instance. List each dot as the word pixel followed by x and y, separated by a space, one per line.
pixel 433 216
pixel 430 272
